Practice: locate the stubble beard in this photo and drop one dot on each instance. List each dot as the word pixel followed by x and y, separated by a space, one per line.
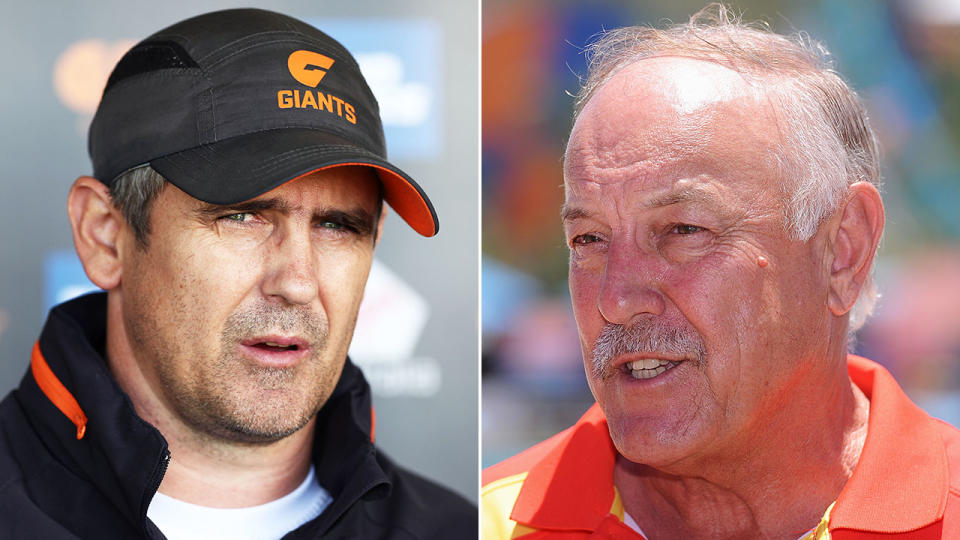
pixel 232 398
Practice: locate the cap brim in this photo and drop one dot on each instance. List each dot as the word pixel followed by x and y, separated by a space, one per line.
pixel 241 168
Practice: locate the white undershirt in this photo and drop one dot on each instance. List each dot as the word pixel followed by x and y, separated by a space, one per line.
pixel 180 520
pixel 630 522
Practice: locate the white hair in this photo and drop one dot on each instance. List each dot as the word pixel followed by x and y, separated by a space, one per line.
pixel 828 143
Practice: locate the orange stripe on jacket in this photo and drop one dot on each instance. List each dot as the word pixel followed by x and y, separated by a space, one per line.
pixel 56 392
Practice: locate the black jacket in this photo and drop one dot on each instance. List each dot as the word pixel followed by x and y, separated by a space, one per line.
pixel 54 486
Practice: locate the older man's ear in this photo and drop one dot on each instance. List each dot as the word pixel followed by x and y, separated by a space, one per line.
pixel 96 229
pixel 854 245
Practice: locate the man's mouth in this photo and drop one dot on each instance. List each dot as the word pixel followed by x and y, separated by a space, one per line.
pixel 275 350
pixel 648 368
pixel 276 347
pixel 276 342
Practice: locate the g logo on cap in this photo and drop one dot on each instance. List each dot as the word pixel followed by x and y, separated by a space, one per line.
pixel 308 67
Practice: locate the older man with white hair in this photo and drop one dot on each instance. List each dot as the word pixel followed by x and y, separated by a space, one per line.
pixel 722 216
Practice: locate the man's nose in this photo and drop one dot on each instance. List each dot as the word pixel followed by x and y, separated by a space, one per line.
pixel 630 285
pixel 291 275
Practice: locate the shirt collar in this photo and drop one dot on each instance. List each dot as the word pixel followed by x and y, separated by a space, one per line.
pixel 571 487
pixel 900 482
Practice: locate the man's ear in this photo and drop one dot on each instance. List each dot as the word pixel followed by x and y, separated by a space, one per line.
pixel 854 245
pixel 96 228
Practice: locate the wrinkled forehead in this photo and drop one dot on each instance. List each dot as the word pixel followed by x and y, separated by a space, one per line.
pixel 683 85
pixel 670 116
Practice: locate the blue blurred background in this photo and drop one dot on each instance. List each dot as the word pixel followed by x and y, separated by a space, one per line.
pixel 903 58
pixel 417 331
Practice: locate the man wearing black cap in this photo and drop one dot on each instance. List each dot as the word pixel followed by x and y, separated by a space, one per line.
pixel 239 175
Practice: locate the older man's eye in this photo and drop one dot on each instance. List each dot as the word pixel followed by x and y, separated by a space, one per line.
pixel 684 229
pixel 584 239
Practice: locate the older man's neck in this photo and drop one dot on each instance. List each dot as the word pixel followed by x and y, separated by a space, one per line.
pixel 779 488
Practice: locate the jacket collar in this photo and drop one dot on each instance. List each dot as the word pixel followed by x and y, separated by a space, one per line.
pixel 125 456
pixel 119 452
pixel 571 487
pixel 343 451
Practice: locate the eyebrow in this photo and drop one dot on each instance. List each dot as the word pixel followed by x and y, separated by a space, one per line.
pixel 208 210
pixel 357 218
pixel 690 194
pixel 571 213
pixel 686 195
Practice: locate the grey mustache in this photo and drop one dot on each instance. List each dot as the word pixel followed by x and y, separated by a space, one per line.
pixel 650 336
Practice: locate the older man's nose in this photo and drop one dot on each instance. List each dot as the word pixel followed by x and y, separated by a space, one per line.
pixel 291 275
pixel 629 287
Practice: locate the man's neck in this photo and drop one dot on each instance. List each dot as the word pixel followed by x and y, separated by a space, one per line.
pixel 228 475
pixel 205 469
pixel 212 471
pixel 778 488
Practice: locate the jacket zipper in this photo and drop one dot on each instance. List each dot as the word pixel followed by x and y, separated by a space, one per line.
pixel 158 475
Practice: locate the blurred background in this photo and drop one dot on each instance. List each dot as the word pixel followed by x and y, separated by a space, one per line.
pixel 902 56
pixel 417 334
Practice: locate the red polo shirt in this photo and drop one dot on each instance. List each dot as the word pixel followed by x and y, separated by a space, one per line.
pixel 905 486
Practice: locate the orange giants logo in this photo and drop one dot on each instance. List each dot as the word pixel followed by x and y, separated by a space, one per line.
pixel 309 68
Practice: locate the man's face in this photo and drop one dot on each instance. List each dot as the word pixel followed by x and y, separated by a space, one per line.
pixel 698 316
pixel 239 317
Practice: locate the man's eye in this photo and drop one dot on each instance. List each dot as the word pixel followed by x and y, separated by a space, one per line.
pixel 331 225
pixel 241 217
pixel 683 228
pixel 584 239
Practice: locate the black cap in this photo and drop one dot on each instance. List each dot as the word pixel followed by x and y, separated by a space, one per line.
pixel 231 104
